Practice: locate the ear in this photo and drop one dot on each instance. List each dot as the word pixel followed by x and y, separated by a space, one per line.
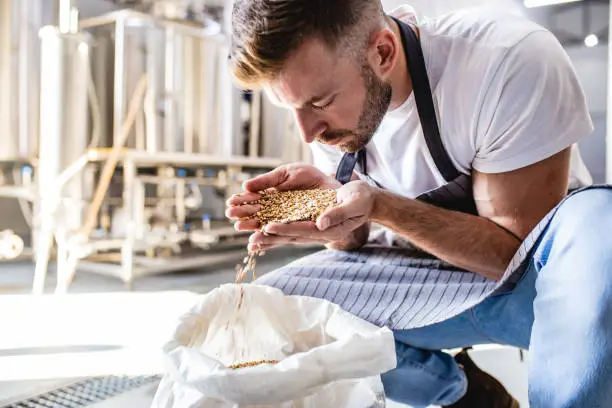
pixel 384 51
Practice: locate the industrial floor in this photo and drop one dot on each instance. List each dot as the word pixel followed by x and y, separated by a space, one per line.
pixel 46 342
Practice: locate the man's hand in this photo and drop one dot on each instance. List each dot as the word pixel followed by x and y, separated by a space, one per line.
pixel 288 177
pixel 341 227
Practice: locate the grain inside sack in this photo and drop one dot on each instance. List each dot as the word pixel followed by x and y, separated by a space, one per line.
pixel 252 364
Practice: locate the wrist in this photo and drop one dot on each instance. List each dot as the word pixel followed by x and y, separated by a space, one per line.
pixel 355 240
pixel 378 205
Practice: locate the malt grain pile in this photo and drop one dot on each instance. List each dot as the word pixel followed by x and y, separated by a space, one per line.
pixel 291 206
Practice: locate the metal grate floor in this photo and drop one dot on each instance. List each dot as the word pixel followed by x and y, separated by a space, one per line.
pixel 86 392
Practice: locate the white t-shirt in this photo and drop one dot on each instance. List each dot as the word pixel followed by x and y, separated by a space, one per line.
pixel 506 96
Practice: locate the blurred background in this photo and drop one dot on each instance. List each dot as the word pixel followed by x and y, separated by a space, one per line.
pixel 121 136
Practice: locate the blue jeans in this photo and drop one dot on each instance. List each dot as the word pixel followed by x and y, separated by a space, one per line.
pixel 561 310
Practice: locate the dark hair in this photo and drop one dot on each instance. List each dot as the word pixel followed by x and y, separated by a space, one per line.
pixel 266 32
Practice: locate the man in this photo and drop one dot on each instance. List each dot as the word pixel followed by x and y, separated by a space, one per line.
pixel 457 135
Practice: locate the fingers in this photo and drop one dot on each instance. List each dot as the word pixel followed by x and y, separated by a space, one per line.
pixel 238 208
pixel 349 209
pixel 307 230
pixel 247 225
pixel 241 199
pixel 242 211
pixel 267 180
pixel 261 241
pixel 293 229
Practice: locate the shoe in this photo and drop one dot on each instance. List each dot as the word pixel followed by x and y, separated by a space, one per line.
pixel 483 390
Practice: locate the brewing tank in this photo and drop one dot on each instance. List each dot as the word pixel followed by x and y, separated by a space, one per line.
pixel 19 78
pixel 64 114
pixel 191 105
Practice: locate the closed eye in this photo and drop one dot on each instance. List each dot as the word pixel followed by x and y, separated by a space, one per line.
pixel 324 106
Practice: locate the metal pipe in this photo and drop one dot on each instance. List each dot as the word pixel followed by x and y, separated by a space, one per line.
pixel 201 181
pixel 189 90
pixel 23 81
pixel 127 249
pixel 63 107
pixel 28 20
pixel 74 20
pixel 150 105
pixel 169 92
pixel 206 97
pixel 65 11
pixel 186 159
pixel 254 130
pixel 119 86
pixel 138 197
pixel 21 193
pixel 5 71
pixel 179 204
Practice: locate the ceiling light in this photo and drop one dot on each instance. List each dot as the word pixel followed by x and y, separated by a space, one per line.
pixel 540 3
pixel 591 40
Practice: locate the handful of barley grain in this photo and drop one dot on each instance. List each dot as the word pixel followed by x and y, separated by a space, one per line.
pixel 291 206
pixel 285 207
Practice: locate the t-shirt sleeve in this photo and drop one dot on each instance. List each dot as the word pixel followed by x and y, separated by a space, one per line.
pixel 533 108
pixel 325 158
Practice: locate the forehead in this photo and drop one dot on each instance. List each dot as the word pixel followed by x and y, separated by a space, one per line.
pixel 312 70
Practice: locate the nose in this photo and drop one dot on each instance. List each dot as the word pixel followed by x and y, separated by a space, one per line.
pixel 310 124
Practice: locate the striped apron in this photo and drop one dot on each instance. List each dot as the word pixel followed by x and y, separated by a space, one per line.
pixel 401 287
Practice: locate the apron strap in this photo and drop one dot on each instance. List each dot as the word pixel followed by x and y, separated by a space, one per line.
pixel 424 101
pixel 425 107
pixel 347 165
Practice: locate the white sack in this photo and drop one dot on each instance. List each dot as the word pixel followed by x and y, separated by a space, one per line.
pixel 327 357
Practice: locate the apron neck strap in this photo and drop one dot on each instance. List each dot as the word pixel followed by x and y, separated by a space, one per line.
pixel 424 101
pixel 425 107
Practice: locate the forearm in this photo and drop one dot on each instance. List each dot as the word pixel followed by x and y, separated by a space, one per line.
pixel 356 239
pixel 466 241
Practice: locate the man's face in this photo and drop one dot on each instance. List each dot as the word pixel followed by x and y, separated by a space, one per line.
pixel 336 100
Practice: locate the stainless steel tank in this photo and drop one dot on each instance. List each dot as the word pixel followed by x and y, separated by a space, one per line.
pixel 191 105
pixel 6 125
pixel 64 133
pixel 19 78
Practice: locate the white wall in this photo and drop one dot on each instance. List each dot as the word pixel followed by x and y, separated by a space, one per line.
pixel 591 65
pixel 433 8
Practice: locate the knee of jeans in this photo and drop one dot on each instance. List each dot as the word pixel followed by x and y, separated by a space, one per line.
pixel 578 254
pixel 588 203
pixel 584 220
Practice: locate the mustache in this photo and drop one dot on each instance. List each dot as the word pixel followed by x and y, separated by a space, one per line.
pixel 329 136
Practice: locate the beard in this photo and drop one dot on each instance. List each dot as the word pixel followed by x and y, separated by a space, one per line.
pixel 375 106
